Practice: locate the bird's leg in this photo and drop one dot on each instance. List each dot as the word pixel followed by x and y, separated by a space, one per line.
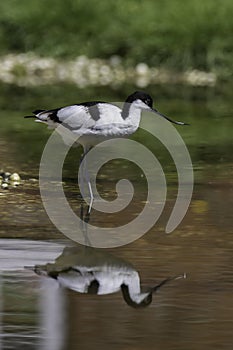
pixel 85 217
pixel 83 224
pixel 85 175
pixel 81 185
pixel 87 178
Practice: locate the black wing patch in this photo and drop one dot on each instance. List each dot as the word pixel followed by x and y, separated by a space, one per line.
pixel 89 103
pixel 93 287
pixel 53 115
pixel 93 108
pixel 94 112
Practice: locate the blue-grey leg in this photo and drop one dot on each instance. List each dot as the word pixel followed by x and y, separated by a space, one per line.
pixel 85 217
pixel 86 176
pixel 81 177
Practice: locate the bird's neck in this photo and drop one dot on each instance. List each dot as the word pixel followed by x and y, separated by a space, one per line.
pixel 132 284
pixel 131 113
pixel 131 297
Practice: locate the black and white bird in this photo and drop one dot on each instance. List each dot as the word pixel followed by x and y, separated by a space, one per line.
pixel 97 121
pixel 91 271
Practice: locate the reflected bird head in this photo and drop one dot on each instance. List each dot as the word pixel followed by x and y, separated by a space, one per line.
pixel 144 299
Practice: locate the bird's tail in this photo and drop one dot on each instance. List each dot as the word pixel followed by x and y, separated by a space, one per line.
pixel 39 115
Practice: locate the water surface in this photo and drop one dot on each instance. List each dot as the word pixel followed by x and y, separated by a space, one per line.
pixel 194 313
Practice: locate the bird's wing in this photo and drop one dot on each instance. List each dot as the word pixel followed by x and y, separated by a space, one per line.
pixel 76 117
pixel 72 117
pixel 84 118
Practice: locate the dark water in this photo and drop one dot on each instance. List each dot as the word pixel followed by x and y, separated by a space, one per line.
pixel 192 313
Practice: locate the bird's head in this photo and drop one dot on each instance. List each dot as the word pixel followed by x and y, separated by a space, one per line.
pixel 141 300
pixel 144 101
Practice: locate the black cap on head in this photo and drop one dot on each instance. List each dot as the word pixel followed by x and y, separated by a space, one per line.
pixel 140 95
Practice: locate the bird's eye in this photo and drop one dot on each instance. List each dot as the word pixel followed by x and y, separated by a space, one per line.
pixel 147 102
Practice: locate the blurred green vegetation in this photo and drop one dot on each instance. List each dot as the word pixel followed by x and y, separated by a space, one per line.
pixel 180 35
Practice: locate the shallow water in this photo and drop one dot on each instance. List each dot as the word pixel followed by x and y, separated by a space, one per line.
pixel 194 313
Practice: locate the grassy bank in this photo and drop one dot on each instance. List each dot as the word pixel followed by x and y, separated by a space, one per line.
pixel 178 35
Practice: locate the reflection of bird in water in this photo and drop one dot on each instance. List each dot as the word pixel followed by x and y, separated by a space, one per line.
pixel 88 270
pixel 96 121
